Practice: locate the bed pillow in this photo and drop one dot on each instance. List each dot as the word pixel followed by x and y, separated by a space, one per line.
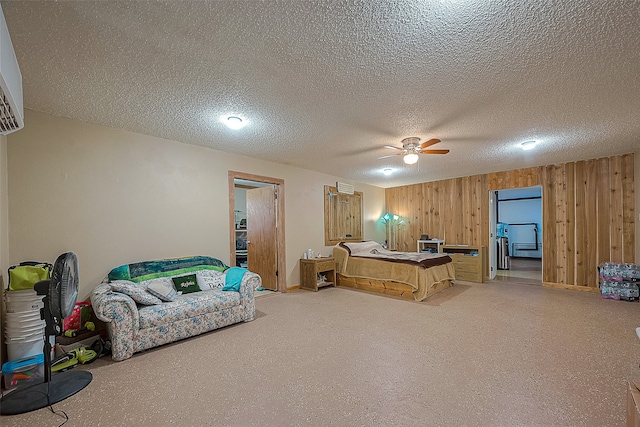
pixel 363 248
pixel 186 284
pixel 162 289
pixel 137 293
pixel 208 282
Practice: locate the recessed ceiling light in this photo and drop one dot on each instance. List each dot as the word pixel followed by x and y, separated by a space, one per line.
pixel 387 171
pixel 234 122
pixel 528 145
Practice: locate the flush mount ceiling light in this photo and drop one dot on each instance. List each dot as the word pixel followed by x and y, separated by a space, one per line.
pixel 528 145
pixel 387 171
pixel 234 122
pixel 410 158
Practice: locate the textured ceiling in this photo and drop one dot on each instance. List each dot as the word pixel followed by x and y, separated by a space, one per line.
pixel 324 85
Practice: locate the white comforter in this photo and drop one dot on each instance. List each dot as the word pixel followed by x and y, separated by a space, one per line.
pixel 375 250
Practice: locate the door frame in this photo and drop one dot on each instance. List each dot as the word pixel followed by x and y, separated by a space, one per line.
pixel 494 225
pixel 281 278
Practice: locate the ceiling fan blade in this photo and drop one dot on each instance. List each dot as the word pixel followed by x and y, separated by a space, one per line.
pixel 392 155
pixel 434 151
pixel 429 143
pixel 392 147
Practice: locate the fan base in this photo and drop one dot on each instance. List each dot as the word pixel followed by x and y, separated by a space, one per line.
pixel 41 395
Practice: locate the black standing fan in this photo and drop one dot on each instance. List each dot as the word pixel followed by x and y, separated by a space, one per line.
pixel 60 294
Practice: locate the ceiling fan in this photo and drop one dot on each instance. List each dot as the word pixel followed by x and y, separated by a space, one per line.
pixel 411 147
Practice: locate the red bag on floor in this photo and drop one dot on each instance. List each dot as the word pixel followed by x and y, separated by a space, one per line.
pixel 80 315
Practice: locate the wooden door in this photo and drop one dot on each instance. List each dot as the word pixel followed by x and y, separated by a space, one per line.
pixel 262 254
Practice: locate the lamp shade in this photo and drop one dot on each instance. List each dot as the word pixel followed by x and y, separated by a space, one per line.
pixel 411 158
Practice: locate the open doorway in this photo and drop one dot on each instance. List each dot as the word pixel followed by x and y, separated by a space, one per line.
pixel 256 213
pixel 516 234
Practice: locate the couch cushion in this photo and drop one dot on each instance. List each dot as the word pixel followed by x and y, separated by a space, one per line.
pixel 186 306
pixel 137 292
pixel 208 280
pixel 162 289
pixel 186 284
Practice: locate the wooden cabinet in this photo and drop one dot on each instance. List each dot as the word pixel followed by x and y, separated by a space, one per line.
pixel 310 268
pixel 468 261
pixel 343 221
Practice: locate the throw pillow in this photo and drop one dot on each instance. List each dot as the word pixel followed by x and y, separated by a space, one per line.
pixel 186 284
pixel 207 282
pixel 233 278
pixel 162 289
pixel 136 292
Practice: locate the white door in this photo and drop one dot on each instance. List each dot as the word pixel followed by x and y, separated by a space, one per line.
pixel 493 226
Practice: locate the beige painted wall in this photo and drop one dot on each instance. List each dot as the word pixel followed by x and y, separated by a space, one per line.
pixel 4 212
pixel 115 197
pixel 4 235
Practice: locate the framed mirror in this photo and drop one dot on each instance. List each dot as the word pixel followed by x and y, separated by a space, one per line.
pixel 342 216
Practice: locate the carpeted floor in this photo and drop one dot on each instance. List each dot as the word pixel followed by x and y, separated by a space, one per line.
pixel 492 354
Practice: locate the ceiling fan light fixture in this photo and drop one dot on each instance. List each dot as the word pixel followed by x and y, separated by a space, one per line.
pixel 411 141
pixel 529 145
pixel 387 171
pixel 411 149
pixel 411 158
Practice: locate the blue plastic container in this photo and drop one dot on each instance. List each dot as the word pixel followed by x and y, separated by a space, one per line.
pixel 26 370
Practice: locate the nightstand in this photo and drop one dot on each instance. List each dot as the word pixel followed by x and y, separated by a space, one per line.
pixel 424 244
pixel 309 269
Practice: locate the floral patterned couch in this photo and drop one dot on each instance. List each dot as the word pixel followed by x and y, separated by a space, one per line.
pixel 137 320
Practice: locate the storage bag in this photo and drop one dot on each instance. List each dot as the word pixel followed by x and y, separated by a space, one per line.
pixel 28 273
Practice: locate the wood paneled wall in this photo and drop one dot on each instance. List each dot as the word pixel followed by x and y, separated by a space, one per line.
pixel 588 214
pixel 588 218
pixel 454 209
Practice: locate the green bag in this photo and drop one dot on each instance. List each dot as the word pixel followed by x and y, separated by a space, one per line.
pixel 28 273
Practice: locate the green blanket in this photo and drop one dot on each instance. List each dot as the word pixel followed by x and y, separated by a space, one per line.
pixel 146 270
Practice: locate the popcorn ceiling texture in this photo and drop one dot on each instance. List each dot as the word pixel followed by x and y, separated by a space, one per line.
pixel 325 85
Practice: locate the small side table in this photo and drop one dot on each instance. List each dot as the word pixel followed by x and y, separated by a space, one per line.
pixel 309 269
pixel 437 242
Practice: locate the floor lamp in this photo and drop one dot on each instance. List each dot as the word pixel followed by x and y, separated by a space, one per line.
pixel 391 220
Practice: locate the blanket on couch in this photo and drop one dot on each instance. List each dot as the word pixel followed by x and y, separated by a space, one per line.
pixel 145 270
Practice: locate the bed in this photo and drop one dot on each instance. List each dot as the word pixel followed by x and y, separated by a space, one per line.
pixel 411 275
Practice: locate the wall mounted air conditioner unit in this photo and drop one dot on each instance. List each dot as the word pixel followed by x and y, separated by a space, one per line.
pixel 344 188
pixel 11 107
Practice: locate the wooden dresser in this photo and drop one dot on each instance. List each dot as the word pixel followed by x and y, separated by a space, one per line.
pixel 469 261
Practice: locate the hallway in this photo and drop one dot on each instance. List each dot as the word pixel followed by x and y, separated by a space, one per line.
pixel 529 269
